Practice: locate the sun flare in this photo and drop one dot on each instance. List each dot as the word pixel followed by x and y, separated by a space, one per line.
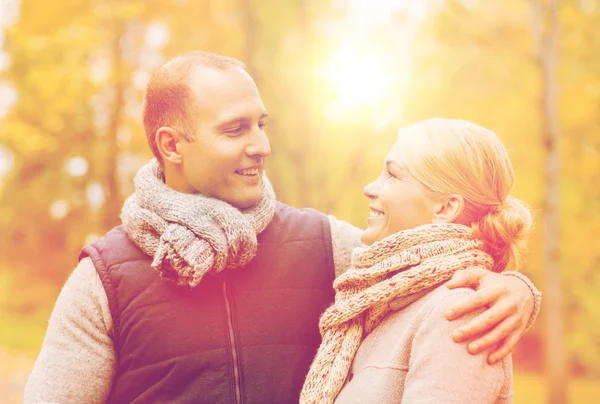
pixel 357 79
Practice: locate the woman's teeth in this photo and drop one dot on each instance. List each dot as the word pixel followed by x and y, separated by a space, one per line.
pixel 374 213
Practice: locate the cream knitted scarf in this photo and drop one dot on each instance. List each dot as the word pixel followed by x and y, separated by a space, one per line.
pixel 190 234
pixel 401 264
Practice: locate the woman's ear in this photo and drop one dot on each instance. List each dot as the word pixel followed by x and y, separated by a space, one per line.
pixel 448 209
pixel 167 140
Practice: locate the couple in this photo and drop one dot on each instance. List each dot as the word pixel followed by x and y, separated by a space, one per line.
pixel 211 291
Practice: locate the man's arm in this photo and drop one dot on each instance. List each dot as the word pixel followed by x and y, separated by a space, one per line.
pixel 344 238
pixel 513 301
pixel 77 360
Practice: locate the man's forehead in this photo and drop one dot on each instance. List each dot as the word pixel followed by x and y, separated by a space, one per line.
pixel 208 82
pixel 226 94
pixel 204 80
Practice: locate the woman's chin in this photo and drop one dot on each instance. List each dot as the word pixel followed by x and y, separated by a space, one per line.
pixel 368 237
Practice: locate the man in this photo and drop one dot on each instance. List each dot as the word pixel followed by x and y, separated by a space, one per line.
pixel 245 278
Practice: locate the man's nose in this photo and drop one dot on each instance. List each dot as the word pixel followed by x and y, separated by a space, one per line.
pixel 259 145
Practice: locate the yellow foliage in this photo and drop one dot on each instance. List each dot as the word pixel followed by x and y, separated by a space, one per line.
pixel 463 59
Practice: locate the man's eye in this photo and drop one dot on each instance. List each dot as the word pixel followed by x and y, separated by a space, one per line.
pixel 234 131
pixel 391 175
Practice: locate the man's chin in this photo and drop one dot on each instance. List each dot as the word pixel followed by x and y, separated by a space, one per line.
pixel 246 201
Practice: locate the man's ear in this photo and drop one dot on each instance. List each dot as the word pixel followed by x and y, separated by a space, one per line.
pixel 167 143
pixel 448 209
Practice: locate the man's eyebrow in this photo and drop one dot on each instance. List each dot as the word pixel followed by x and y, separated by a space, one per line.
pixel 238 120
pixel 229 122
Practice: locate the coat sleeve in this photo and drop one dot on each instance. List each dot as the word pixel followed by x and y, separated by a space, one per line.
pixel 537 296
pixel 441 371
pixel 344 238
pixel 77 361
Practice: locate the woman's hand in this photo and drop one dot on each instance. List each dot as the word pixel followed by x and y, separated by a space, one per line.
pixel 509 303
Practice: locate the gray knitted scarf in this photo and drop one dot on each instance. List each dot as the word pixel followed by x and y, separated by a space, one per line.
pixel 190 235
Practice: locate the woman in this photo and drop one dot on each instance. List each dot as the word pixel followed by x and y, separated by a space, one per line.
pixel 441 204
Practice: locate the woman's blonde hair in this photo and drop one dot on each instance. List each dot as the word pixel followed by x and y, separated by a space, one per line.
pixel 451 156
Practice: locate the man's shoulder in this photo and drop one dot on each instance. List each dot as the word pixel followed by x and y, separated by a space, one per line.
pixel 290 224
pixel 289 215
pixel 285 209
pixel 114 247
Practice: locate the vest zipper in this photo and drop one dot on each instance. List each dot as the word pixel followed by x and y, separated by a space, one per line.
pixel 234 354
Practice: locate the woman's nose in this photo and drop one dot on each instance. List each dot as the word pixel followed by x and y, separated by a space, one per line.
pixel 371 190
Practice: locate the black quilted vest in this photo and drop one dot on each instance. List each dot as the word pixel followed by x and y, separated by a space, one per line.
pixel 247 335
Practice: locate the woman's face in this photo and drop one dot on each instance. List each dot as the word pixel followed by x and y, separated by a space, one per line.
pixel 398 201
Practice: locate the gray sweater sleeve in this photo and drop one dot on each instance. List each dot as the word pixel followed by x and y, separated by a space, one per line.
pixel 344 238
pixel 77 360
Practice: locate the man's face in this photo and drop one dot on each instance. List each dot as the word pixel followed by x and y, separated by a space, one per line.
pixel 226 156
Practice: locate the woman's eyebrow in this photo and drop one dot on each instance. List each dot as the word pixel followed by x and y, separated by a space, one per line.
pixel 392 164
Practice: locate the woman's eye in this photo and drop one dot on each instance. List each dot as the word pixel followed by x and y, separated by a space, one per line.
pixel 391 175
pixel 262 125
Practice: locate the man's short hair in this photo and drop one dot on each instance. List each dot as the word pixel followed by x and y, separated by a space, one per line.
pixel 169 101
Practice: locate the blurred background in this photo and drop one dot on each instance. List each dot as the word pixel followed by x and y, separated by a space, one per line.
pixel 338 78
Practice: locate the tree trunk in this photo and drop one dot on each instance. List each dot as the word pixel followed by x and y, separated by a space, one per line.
pixel 304 120
pixel 545 25
pixel 113 197
pixel 250 25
